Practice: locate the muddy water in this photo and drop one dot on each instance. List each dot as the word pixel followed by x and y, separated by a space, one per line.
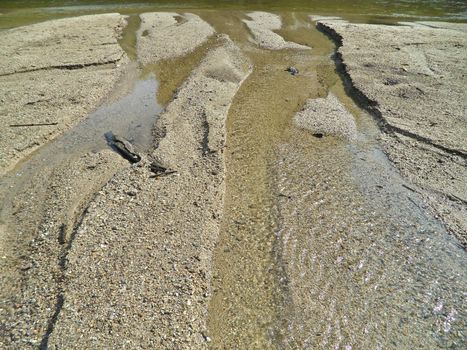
pixel 19 12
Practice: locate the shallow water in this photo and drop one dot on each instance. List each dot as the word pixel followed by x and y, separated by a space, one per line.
pixel 365 264
pixel 130 116
pixel 322 245
pixel 21 12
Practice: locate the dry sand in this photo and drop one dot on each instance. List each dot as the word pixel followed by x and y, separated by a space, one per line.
pixel 54 72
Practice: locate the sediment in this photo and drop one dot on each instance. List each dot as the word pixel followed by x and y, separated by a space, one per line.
pixel 164 35
pixel 262 25
pixel 54 72
pixel 46 213
pixel 355 236
pixel 326 116
pixel 149 241
pixel 413 83
pixel 316 229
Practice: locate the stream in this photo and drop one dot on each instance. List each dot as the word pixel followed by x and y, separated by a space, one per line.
pixel 323 244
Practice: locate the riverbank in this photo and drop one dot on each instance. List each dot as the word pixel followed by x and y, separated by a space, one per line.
pixel 417 95
pixel 53 75
pixel 282 206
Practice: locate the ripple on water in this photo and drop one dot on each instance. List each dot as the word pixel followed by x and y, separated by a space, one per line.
pixel 366 265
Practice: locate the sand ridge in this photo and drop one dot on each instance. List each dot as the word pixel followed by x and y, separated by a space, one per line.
pixel 164 35
pixel 149 241
pixel 262 25
pixel 326 116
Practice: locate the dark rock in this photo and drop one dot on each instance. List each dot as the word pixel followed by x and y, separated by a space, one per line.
pixel 159 168
pixel 292 70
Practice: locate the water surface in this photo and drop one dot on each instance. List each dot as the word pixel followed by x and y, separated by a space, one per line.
pixel 321 246
pixel 21 12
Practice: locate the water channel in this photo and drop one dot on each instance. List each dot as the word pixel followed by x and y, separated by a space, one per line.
pixel 323 244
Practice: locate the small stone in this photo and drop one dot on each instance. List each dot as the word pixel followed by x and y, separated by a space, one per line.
pixel 292 70
pixel 206 338
pixel 132 192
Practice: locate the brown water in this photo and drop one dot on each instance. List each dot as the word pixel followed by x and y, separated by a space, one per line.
pixel 246 304
pixel 321 245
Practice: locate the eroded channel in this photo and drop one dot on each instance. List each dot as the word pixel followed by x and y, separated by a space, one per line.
pixel 247 308
pixel 323 244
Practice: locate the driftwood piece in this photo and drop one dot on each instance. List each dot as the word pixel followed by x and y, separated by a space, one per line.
pixel 33 124
pixel 159 168
pixel 123 147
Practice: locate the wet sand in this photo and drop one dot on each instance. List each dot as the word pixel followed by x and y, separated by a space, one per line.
pixel 417 94
pixel 55 72
pixel 285 224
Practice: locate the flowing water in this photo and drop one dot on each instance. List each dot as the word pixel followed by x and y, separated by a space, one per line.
pixel 313 239
pixel 323 244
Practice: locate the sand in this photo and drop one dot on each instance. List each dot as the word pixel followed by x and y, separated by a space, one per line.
pixel 54 72
pixel 326 117
pixel 149 241
pixel 263 26
pixel 32 270
pixel 111 257
pixel 191 137
pixel 412 79
pixel 164 35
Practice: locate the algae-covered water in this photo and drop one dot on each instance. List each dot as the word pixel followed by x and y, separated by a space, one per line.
pixel 20 12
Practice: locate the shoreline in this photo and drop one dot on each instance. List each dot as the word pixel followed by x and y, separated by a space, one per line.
pixel 47 90
pixel 440 197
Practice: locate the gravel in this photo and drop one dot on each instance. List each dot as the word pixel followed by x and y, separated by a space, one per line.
pixel 54 72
